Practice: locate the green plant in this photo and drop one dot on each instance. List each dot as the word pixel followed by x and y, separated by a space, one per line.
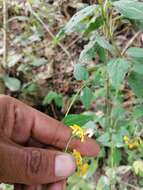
pixel 117 69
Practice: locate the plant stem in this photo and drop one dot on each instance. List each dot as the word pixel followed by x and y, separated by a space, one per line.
pixel 109 35
pixel 67 146
pixel 75 97
pixel 130 42
pixel 5 33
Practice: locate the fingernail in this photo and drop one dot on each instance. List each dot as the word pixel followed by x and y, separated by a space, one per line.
pixel 64 165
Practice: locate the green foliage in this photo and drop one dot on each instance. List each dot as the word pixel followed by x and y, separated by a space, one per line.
pixel 78 119
pixel 86 97
pixel 80 73
pixel 53 96
pixel 135 82
pixel 117 68
pixel 12 83
pixel 130 9
pixel 135 52
pixel 114 70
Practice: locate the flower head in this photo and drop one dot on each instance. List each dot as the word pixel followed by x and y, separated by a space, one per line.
pixel 84 169
pixel 78 158
pixel 82 166
pixel 126 139
pixel 78 131
pixel 132 143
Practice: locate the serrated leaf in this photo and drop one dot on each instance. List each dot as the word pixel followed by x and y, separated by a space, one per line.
pixel 101 41
pixel 130 9
pixel 136 82
pixel 78 17
pixel 78 119
pixel 86 97
pixel 80 73
pixel 12 83
pixel 135 52
pixel 117 69
pixel 89 52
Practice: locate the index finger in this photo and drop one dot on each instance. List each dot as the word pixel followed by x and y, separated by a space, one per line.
pixel 24 122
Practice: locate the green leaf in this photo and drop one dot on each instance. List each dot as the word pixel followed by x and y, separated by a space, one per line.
pixel 37 62
pixel 138 112
pixel 59 100
pixel 138 68
pixel 78 17
pixel 94 24
pixel 30 87
pixel 12 83
pixel 136 83
pixel 101 41
pixel 135 52
pixel 89 52
pixel 53 96
pixel 103 183
pixel 102 53
pixel 115 158
pixel 78 119
pixel 80 73
pixel 117 69
pixel 86 97
pixel 104 139
pixel 130 9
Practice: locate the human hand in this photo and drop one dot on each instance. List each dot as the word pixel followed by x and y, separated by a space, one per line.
pixel 21 162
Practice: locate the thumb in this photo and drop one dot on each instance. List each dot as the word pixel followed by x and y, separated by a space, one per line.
pixel 33 166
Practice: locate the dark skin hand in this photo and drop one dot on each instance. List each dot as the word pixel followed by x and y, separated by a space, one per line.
pixel 31 147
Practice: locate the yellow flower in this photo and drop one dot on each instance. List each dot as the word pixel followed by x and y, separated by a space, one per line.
pixel 78 158
pixel 78 131
pixel 132 143
pixel 84 169
pixel 81 166
pixel 126 139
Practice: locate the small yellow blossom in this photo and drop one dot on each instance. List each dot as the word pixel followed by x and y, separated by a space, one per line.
pixel 126 139
pixel 84 169
pixel 81 166
pixel 78 131
pixel 78 158
pixel 132 143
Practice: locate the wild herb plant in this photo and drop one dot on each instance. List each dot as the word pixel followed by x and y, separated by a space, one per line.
pixel 107 70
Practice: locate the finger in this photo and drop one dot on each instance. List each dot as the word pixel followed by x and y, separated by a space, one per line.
pixel 24 121
pixel 18 187
pixel 61 185
pixel 33 166
pixel 27 187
